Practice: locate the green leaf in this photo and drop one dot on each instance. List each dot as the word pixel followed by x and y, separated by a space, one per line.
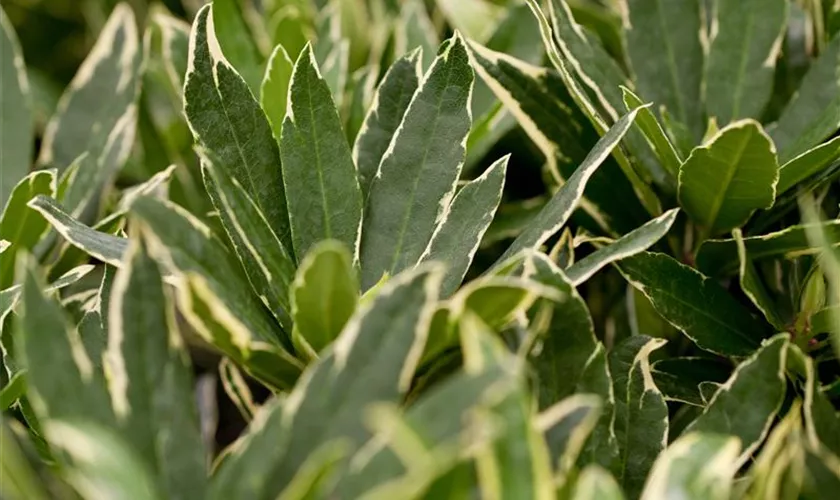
pixel 758 384
pixel 811 115
pixel 19 226
pixel 105 87
pixel 744 45
pixel 723 182
pixel 236 41
pixel 665 52
pixel 103 466
pixel 819 416
pixel 268 265
pixel 415 29
pixel 186 246
pixel 150 378
pixel 679 378
pixel 291 28
pixel 464 223
pixel 274 92
pixel 228 121
pixel 102 246
pixel 360 91
pixel 21 478
pixel 55 359
pixel 324 296
pixel 236 388
pixel 474 18
pixel 654 133
pixel 566 426
pixel 539 100
pixel 556 213
pixel 698 306
pixel 631 244
pixel 15 112
pixel 595 482
pixel 808 164
pixel 753 288
pixel 822 469
pixel 384 117
pixel 641 414
pixel 418 173
pixel 372 361
pixel 695 467
pixel 323 193
pixel 720 257
pixel 499 300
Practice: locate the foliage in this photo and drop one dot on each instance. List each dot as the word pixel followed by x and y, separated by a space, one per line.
pixel 424 249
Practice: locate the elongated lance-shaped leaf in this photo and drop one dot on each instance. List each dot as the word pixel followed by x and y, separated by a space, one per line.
pixel 322 189
pixel 372 361
pixel 103 464
pixel 269 266
pixel 16 142
pixel 654 133
pixel 539 100
pixel 811 115
pixel 743 49
pixel 752 286
pixel 628 245
pixel 151 380
pixel 102 246
pixel 186 245
pixel 236 388
pixel 55 359
pixel 237 42
pixel 467 218
pixel 384 117
pixel 359 91
pixel 274 92
pixel 324 296
pixel 21 476
pixel 20 227
pixel 723 182
pixel 556 213
pixel 227 120
pixel 104 88
pixel 665 52
pixel 641 414
pixel 212 318
pixel 697 467
pixel 415 29
pixel 698 306
pixel 566 427
pixel 420 169
pixel 758 382
pixel 808 164
pixel 719 257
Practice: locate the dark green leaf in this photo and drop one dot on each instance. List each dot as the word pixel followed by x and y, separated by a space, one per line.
pixel 236 41
pixel 20 227
pixel 808 164
pixel 679 378
pixel 753 288
pixel 654 133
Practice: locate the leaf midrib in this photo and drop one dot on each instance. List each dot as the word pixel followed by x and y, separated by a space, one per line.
pixel 318 166
pixel 717 200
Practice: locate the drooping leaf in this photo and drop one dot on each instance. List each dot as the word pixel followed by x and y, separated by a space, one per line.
pixel 274 92
pixel 666 54
pixel 228 121
pixel 556 213
pixel 811 115
pixel 390 103
pixel 16 141
pixel 628 245
pixel 372 361
pixel 540 102
pixel 753 287
pixel 418 173
pixel 55 359
pixel 151 380
pixel 268 265
pixel 324 296
pixel 695 467
pixel 20 227
pixel 723 182
pixel 742 57
pixel 641 414
pixel 758 383
pixel 807 164
pixel 325 201
pixel 698 306
pixel 467 218
pixel 237 42
pixel 719 257
pixel 102 246
pixel 187 246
